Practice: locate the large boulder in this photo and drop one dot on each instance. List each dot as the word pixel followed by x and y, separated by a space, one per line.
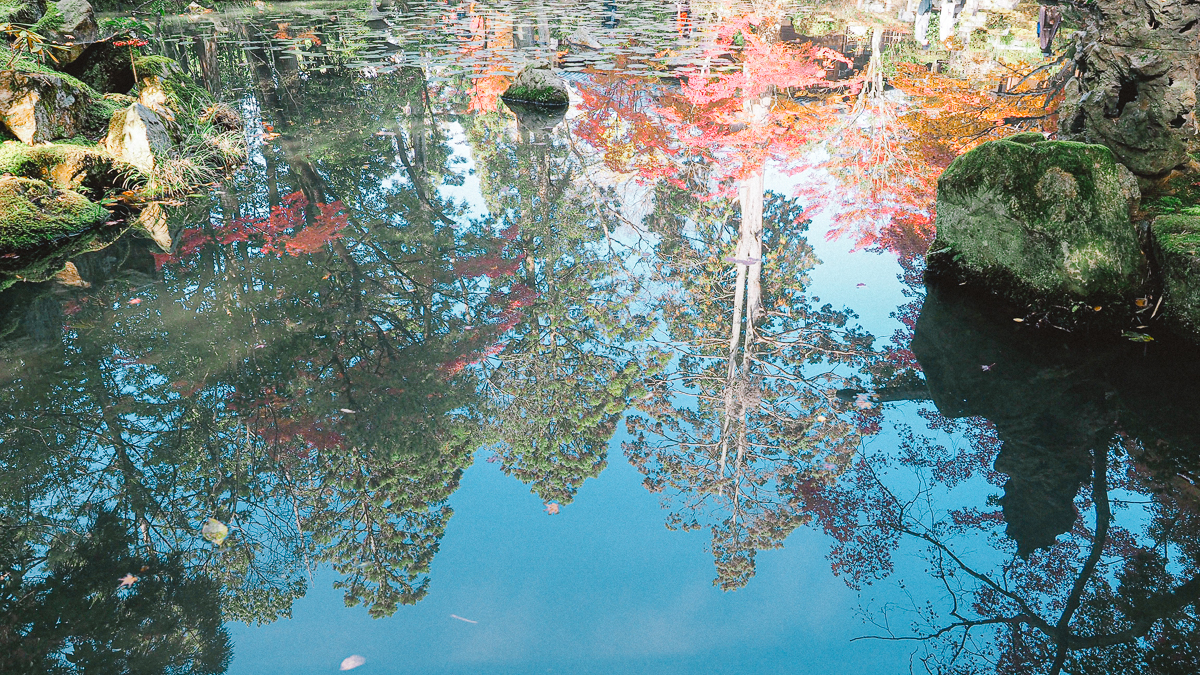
pixel 136 135
pixel 33 214
pixel 76 29
pixel 22 11
pixel 1137 83
pixel 539 85
pixel 39 107
pixel 65 166
pixel 1178 251
pixel 1036 219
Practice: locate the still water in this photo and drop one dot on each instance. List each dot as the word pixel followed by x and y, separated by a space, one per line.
pixel 651 386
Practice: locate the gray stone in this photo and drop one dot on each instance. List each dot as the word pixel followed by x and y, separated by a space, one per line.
pixel 538 84
pixel 1137 83
pixel 137 136
pixel 38 107
pixel 1047 217
pixel 22 11
pixel 79 29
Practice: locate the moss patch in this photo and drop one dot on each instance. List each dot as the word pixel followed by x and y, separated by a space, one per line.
pixel 548 96
pixel 32 214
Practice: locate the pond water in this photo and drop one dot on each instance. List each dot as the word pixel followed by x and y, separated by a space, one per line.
pixel 653 385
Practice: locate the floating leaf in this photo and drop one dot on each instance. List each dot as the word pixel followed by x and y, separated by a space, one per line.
pixel 352 662
pixel 1137 337
pixel 215 531
pixel 551 508
pixel 127 581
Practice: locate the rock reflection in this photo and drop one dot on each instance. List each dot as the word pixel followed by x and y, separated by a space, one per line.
pixel 1098 572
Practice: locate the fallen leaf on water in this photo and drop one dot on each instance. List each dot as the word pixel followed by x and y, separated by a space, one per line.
pixel 820 418
pixel 127 581
pixel 551 508
pixel 861 285
pixel 352 662
pixel 215 531
pixel 455 616
pixel 987 367
pixel 135 301
pixel 347 411
pixel 1019 320
pixel 1141 302
pixel 1097 308
pixel 1137 337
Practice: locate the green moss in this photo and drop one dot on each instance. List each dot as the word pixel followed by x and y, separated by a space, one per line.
pixel 33 215
pixel 1178 234
pixel 51 22
pixel 1026 138
pixel 22 62
pixel 539 95
pixel 73 165
pixel 28 161
pixel 1053 215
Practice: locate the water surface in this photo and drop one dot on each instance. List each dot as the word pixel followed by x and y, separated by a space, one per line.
pixel 446 368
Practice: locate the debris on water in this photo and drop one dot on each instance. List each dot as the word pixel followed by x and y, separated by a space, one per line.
pixel 127 581
pixel 215 531
pixel 987 367
pixel 352 662
pixel 551 508
pixel 1137 337
pixel 455 616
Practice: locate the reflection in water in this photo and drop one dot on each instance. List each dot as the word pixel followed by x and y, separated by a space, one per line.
pixel 409 271
pixel 61 613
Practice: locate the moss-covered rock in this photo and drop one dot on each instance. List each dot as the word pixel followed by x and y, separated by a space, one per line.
pixel 1177 239
pixel 73 24
pixel 22 11
pixel 68 166
pixel 37 107
pixel 538 85
pixel 33 214
pixel 1037 219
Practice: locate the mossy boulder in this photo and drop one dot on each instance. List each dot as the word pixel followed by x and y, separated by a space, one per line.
pixel 67 166
pixel 34 214
pixel 37 107
pixel 1178 251
pixel 538 85
pixel 22 11
pixel 1040 220
pixel 71 23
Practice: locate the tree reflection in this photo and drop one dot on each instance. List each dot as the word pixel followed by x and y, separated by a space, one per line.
pixel 64 609
pixel 332 336
pixel 1102 579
